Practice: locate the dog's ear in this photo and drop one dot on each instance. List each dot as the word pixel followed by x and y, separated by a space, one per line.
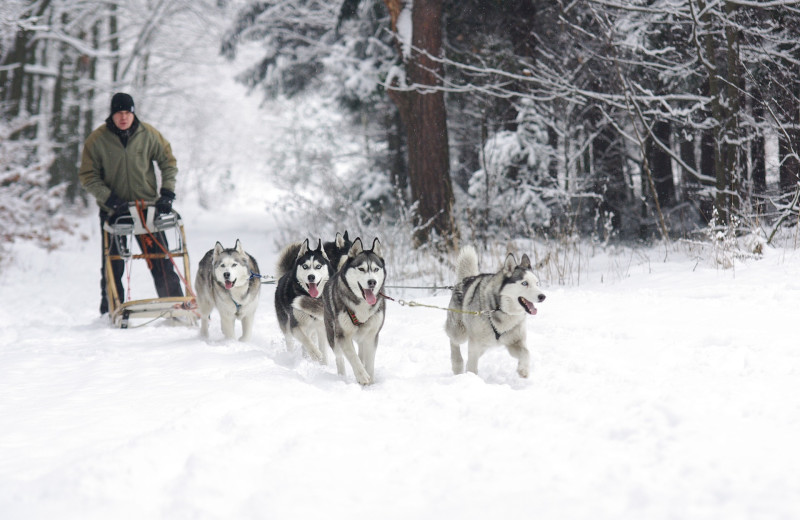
pixel 510 264
pixel 303 248
pixel 356 248
pixel 322 250
pixel 339 241
pixel 238 247
pixel 346 237
pixel 376 247
pixel 525 263
pixel 218 249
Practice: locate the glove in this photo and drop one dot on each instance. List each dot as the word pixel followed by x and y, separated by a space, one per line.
pixel 117 206
pixel 164 203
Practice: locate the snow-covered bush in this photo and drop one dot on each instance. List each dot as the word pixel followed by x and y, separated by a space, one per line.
pixel 512 190
pixel 28 204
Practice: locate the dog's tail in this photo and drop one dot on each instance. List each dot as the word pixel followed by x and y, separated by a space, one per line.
pixel 467 263
pixel 286 258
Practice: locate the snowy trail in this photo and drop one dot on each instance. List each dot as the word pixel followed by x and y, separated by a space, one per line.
pixel 671 393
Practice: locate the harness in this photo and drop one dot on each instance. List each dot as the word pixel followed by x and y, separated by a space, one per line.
pixel 238 305
pixel 497 333
pixel 353 317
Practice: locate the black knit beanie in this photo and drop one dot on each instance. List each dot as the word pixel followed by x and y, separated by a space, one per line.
pixel 120 102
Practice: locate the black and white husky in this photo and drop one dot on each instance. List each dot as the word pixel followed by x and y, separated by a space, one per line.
pixel 354 309
pixel 303 274
pixel 491 310
pixel 337 249
pixel 227 279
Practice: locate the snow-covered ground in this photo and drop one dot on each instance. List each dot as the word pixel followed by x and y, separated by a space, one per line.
pixel 670 392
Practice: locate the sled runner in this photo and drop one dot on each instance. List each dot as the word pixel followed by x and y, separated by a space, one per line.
pixel 142 224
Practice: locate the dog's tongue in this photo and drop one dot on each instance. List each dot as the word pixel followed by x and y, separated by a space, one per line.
pixel 370 297
pixel 312 290
pixel 228 284
pixel 529 306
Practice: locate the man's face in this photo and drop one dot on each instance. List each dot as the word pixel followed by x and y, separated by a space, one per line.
pixel 123 119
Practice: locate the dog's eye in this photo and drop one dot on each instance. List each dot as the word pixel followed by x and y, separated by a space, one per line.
pixel 363 270
pixel 524 284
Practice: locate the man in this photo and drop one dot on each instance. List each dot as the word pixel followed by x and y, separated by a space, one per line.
pixel 117 168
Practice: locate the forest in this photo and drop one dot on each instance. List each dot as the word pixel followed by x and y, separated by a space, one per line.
pixel 626 121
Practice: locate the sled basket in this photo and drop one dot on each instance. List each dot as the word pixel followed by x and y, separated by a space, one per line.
pixel 122 233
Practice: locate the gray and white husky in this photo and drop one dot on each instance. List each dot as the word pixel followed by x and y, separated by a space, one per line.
pixel 493 310
pixel 303 274
pixel 227 279
pixel 354 309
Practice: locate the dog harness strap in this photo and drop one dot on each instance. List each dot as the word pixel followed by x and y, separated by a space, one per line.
pixel 353 317
pixel 497 333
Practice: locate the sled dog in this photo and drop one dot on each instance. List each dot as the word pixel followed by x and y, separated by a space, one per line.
pixel 337 249
pixel 354 309
pixel 494 307
pixel 303 274
pixel 225 281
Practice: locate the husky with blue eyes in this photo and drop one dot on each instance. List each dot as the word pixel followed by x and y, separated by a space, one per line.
pixel 303 274
pixel 490 310
pixel 354 309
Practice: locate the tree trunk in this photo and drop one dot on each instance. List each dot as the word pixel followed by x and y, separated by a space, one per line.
pixel 758 172
pixel 689 184
pixel 789 147
pixel 423 113
pixel 661 165
pixel 114 43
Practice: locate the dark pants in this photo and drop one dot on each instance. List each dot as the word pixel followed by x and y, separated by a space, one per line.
pixel 166 279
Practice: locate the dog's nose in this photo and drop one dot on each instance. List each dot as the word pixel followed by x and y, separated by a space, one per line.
pixel 542 297
pixel 226 275
pixel 311 278
pixel 372 283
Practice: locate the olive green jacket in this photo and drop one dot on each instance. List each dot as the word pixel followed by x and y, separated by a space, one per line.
pixel 108 166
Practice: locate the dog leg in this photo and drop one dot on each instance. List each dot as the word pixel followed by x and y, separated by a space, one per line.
pixel 337 352
pixel 366 353
pixel 247 327
pixel 474 353
pixel 323 346
pixel 455 358
pixel 204 320
pixel 289 341
pixel 308 345
pixel 228 325
pixel 349 351
pixel 520 352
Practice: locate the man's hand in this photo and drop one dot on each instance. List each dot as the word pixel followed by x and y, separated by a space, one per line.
pixel 117 206
pixel 164 203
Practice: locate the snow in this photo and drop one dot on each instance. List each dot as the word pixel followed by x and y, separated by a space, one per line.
pixel 662 387
pixel 665 389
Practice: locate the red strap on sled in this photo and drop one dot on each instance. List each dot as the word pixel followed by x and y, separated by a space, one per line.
pixel 141 206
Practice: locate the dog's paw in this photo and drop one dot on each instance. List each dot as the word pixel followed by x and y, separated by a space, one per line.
pixel 315 354
pixel 523 372
pixel 363 378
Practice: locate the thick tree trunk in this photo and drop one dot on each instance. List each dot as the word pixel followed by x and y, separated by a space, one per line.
pixel 424 116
